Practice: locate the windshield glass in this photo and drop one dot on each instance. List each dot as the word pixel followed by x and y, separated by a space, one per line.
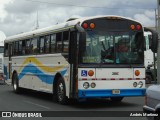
pixel 113 47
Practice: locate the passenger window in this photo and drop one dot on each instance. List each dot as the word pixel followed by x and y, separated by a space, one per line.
pixel 6 50
pixel 33 46
pixel 27 49
pixel 59 42
pixel 16 48
pixel 65 41
pixel 47 44
pixel 23 47
pixel 20 48
pixel 53 43
pixel 41 44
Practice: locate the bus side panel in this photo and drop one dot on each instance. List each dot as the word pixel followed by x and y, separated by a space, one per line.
pixel 38 72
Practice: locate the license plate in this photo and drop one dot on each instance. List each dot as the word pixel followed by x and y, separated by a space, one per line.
pixel 115 91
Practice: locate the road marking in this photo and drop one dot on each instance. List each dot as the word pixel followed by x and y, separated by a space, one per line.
pixel 29 102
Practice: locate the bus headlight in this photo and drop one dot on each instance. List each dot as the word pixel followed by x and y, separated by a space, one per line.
pixel 93 85
pixel 86 85
pixel 140 84
pixel 135 84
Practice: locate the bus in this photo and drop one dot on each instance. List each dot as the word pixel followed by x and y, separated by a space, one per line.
pixel 2 79
pixel 90 57
pixel 149 59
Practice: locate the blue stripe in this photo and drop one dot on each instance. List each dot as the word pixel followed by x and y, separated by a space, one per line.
pixel 47 78
pixel 108 93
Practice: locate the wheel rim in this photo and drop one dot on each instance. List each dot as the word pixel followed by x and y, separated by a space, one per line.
pixel 60 92
pixel 14 85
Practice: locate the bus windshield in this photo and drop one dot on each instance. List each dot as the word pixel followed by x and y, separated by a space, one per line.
pixel 107 47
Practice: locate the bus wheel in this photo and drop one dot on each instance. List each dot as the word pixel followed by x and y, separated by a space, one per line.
pixel 15 83
pixel 61 91
pixel 116 99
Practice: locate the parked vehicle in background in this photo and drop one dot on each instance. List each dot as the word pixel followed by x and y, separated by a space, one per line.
pixel 149 59
pixel 152 102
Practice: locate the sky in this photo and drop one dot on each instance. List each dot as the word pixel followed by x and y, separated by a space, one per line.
pixel 17 16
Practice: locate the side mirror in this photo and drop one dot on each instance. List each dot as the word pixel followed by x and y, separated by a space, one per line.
pixel 153 40
pixel 154 43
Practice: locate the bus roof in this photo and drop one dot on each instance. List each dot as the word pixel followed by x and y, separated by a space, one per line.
pixel 57 27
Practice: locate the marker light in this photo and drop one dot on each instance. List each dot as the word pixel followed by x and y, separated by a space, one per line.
pixel 86 85
pixel 135 84
pixel 93 85
pixel 138 27
pixel 132 27
pixel 85 25
pixel 92 25
pixel 140 84
pixel 137 72
pixel 90 72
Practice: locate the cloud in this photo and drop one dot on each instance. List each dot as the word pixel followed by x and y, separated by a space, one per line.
pixel 3 12
pixel 147 19
pixel 18 16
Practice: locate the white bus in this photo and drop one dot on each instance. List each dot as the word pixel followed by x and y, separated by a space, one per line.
pixel 92 57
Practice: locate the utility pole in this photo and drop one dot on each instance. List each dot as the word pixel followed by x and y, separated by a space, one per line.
pixel 158 30
pixel 154 54
pixel 37 22
pixel 157 18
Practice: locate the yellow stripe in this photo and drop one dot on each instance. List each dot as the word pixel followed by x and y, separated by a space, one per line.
pixel 40 65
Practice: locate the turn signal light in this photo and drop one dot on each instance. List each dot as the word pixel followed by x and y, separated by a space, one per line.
pixel 132 27
pixel 137 72
pixel 92 25
pixel 90 73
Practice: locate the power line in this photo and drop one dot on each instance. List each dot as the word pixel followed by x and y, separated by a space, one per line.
pixel 86 6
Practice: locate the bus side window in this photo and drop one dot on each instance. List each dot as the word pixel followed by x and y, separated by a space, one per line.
pixel 59 42
pixel 33 46
pixel 16 48
pixel 27 49
pixel 41 44
pixel 13 48
pixel 6 50
pixel 53 43
pixel 65 41
pixel 23 47
pixel 20 48
pixel 47 44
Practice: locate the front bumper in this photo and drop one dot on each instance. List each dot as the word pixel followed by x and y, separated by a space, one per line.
pixel 108 93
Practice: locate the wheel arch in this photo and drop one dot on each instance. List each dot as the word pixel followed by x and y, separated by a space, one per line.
pixel 57 76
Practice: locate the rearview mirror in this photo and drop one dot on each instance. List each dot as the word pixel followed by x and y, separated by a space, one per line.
pixel 153 40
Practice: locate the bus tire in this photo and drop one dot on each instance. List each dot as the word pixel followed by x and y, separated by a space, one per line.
pixel 116 99
pixel 16 88
pixel 61 91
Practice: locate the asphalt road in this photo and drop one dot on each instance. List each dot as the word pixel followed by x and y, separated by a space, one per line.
pixel 36 101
